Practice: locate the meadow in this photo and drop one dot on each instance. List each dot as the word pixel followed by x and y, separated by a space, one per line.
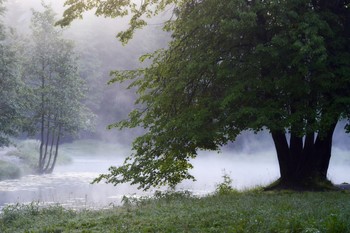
pixel 223 211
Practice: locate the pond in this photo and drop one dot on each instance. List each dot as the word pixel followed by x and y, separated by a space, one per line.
pixel 70 185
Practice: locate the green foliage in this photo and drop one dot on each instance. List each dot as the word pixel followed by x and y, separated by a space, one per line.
pixel 225 187
pixel 172 195
pixel 114 9
pixel 19 215
pixel 53 75
pixel 133 201
pixel 223 73
pixel 57 90
pixel 172 212
pixel 11 87
pixel 27 151
pixel 13 212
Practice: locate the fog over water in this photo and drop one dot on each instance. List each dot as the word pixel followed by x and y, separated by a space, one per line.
pixel 69 185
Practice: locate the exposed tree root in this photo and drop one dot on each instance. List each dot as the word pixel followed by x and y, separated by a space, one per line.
pixel 310 185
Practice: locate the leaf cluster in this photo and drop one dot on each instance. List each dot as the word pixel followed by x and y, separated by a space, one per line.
pixel 11 87
pixel 116 8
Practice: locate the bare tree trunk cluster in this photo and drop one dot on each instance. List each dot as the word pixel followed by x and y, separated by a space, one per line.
pixel 304 159
pixel 50 139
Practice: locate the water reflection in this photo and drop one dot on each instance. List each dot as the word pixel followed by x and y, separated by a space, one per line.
pixel 70 185
pixel 71 189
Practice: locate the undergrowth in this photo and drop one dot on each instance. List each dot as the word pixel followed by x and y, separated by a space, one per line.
pixel 288 212
pixel 9 170
pixel 225 187
pixel 28 152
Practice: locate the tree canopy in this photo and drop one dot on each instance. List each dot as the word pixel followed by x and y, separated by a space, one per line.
pixel 11 105
pixel 236 65
pixel 116 8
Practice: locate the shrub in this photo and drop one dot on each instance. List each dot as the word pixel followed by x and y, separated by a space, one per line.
pixel 225 187
pixel 28 152
pixel 9 170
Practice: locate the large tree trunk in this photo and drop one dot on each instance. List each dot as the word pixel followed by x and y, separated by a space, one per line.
pixel 304 161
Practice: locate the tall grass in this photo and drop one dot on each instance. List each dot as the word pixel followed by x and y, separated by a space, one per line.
pixel 287 212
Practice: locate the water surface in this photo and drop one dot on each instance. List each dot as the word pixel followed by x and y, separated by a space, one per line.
pixel 70 185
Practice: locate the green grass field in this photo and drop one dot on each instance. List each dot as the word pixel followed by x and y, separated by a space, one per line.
pixel 250 211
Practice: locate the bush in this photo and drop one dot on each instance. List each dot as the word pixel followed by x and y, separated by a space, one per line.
pixel 9 170
pixel 225 187
pixel 28 152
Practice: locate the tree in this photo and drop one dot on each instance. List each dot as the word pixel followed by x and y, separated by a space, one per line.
pixel 11 106
pixel 57 88
pixel 113 9
pixel 237 65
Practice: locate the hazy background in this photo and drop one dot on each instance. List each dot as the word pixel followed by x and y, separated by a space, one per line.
pixel 99 52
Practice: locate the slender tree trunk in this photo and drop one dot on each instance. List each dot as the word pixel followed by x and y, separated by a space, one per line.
pixel 42 130
pixel 56 151
pixel 51 149
pixel 41 155
pixel 47 138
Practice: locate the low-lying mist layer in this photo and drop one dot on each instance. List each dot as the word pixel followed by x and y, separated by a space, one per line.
pixel 247 166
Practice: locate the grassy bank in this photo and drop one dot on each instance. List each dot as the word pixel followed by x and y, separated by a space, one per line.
pixel 25 157
pixel 234 212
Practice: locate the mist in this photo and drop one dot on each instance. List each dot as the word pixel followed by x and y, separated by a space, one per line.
pixel 250 161
pixel 248 165
pixel 99 53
